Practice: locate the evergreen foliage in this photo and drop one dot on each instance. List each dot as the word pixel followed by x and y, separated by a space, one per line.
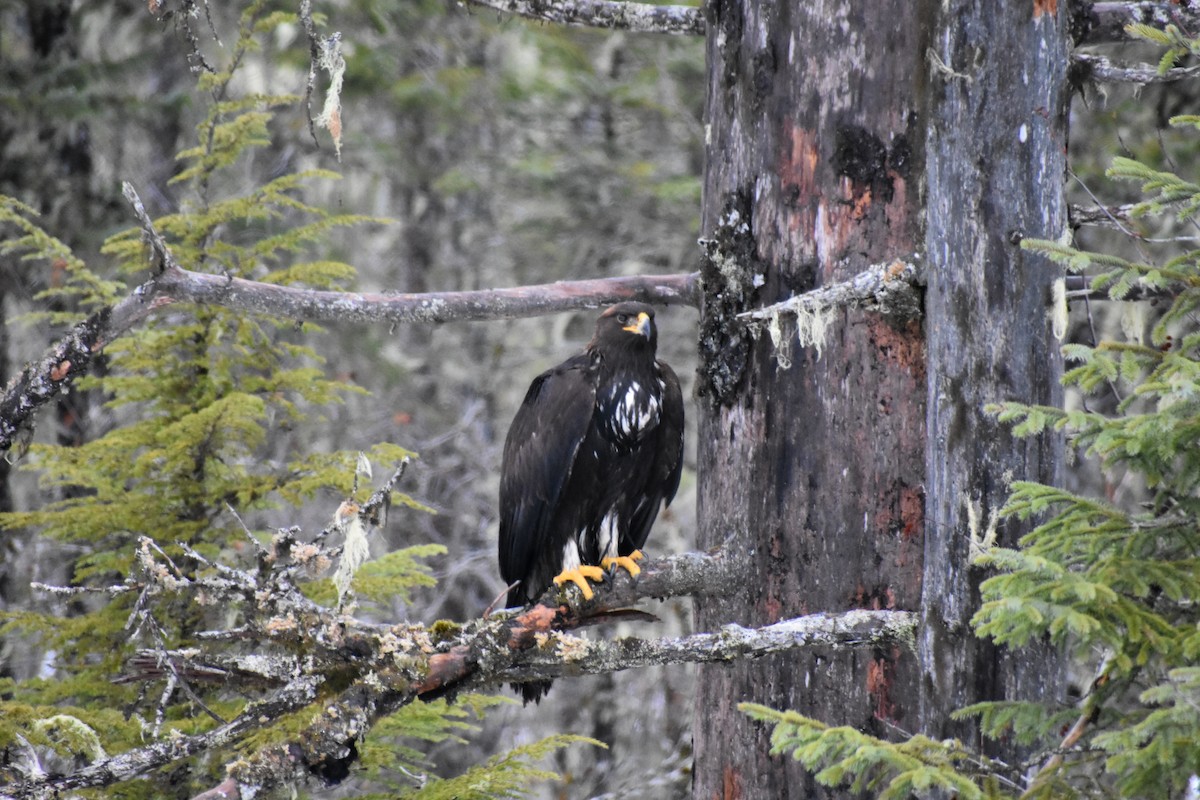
pixel 888 771
pixel 1113 584
pixel 198 397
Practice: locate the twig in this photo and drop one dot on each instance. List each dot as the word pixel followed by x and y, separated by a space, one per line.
pixel 1104 69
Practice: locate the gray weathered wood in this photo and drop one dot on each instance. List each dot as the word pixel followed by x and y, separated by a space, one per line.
pixel 996 166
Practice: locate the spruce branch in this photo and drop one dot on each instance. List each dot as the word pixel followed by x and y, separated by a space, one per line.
pixel 611 14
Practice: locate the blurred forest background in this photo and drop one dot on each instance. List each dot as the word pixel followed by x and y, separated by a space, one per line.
pixel 501 152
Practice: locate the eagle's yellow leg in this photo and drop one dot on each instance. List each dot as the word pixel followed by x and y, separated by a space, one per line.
pixel 627 563
pixel 579 576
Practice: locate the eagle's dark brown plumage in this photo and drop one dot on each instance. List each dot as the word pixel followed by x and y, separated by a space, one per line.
pixel 593 453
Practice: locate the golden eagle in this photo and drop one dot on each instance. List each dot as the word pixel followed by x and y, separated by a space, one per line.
pixel 593 453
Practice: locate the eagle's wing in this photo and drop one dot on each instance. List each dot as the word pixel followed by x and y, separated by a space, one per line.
pixel 667 465
pixel 539 455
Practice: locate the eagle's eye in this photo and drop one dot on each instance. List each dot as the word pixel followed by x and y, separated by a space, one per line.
pixel 622 318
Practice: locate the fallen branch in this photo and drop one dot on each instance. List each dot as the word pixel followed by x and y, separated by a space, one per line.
pixel 172 285
pixel 611 14
pixel 1100 22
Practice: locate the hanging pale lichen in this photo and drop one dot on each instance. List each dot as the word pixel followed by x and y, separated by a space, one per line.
pixel 355 550
pixel 782 344
pixel 1058 308
pixel 331 115
pixel 811 326
pixel 1133 322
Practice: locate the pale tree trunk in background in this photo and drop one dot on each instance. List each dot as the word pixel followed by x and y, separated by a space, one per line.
pixel 996 159
pixel 823 122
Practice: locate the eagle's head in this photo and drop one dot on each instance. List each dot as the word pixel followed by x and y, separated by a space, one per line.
pixel 626 326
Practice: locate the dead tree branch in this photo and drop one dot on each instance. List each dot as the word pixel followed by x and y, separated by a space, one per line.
pixel 1100 22
pixel 887 288
pixel 1114 217
pixel 1079 287
pixel 1100 68
pixel 612 14
pixel 172 285
pixel 300 645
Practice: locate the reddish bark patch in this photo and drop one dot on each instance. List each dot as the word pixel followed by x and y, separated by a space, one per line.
pixel 1041 7
pixel 881 675
pixel 877 599
pixel 912 512
pixel 900 347
pixel 773 609
pixel 731 784
pixel 798 163
pixel 901 511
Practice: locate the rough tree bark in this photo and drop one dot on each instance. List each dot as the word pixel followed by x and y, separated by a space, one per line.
pixel 827 122
pixel 996 165
pixel 814 160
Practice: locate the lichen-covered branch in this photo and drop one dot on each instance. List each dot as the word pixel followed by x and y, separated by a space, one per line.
pixel 1105 21
pixel 1114 217
pixel 299 645
pixel 571 655
pixel 887 288
pixel 613 14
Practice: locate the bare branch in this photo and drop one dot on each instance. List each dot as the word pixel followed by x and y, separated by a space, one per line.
pixel 614 14
pixel 41 381
pixel 1105 21
pixel 1113 217
pixel 1101 68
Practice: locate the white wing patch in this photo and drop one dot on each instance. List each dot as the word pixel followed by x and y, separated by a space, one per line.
pixel 634 413
pixel 610 533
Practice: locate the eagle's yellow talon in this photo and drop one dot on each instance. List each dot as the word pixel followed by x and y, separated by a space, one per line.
pixel 579 576
pixel 627 563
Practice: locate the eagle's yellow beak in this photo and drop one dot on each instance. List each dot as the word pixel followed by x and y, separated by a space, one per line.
pixel 642 325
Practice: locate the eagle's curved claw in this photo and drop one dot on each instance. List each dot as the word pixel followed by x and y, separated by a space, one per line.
pixel 627 563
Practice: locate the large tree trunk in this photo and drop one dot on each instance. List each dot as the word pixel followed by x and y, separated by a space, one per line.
pixel 822 121
pixel 815 470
